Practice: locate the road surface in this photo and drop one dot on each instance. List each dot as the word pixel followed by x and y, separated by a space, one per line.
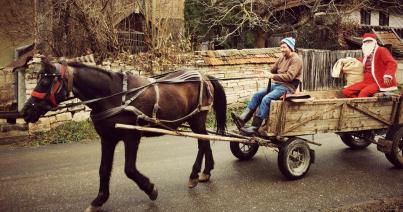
pixel 64 177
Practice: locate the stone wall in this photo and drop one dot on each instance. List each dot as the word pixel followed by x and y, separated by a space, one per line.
pixel 239 90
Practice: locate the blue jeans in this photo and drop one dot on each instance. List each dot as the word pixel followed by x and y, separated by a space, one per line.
pixel 263 99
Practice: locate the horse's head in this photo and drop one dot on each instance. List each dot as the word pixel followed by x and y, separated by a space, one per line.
pixel 53 86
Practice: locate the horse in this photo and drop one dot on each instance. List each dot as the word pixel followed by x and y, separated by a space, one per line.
pixel 116 97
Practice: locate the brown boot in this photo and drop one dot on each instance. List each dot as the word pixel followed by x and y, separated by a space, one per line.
pixel 243 118
pixel 253 129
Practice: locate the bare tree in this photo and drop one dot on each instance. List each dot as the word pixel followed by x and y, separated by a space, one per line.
pixel 228 18
pixel 74 27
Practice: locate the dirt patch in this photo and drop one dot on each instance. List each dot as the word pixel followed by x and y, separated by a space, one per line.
pixel 394 204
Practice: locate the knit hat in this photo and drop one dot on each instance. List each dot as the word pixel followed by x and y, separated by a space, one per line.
pixel 290 41
pixel 369 36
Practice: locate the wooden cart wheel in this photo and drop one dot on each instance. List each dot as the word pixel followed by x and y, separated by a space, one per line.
pixel 357 140
pixel 243 151
pixel 294 158
pixel 396 154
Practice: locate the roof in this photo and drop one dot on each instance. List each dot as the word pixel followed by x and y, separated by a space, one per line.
pixel 390 38
pixel 292 3
pixel 236 57
pixel 21 61
pixel 277 5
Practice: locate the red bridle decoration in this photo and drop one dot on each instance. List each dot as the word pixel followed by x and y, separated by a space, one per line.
pixel 55 87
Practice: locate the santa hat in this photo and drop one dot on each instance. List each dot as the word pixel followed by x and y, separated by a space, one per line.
pixel 369 36
pixel 290 41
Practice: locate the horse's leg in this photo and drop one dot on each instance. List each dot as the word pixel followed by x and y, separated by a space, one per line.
pixel 131 142
pixel 198 125
pixel 108 149
pixel 194 175
pixel 209 163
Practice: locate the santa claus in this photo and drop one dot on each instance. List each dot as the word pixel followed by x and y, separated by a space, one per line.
pixel 379 70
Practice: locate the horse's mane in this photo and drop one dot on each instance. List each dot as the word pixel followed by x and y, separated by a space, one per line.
pixel 95 68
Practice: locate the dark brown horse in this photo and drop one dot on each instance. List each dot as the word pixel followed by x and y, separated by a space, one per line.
pixel 134 100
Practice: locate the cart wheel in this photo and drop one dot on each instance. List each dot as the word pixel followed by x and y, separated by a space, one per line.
pixel 357 140
pixel 396 154
pixel 243 151
pixel 294 158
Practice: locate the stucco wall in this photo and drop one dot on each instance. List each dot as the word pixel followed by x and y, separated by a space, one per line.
pixel 395 19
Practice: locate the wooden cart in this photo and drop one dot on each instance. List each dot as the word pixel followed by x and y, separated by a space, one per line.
pixel 359 122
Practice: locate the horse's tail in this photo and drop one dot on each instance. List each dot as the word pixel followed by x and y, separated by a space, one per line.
pixel 219 105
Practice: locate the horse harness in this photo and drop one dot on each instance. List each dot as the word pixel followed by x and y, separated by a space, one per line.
pixel 183 78
pixel 62 76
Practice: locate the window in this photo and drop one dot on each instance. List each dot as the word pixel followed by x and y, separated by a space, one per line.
pixel 383 19
pixel 366 17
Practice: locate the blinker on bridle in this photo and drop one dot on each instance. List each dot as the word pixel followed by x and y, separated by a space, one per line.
pixel 61 76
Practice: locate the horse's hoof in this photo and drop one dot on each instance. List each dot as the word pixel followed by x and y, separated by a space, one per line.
pixel 92 209
pixel 154 194
pixel 204 178
pixel 193 183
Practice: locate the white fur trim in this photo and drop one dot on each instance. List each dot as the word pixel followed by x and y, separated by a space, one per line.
pixel 373 66
pixel 388 89
pixel 388 76
pixel 368 38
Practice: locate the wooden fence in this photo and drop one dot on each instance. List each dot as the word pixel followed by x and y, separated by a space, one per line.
pixel 318 66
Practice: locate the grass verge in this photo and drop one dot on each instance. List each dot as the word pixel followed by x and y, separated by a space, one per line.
pixel 66 133
pixel 77 131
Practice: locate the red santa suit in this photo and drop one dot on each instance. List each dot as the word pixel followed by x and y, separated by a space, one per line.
pixel 377 66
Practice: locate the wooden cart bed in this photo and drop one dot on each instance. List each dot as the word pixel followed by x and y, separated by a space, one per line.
pixel 323 113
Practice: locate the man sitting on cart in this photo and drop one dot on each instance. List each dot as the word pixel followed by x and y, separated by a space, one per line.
pixel 379 70
pixel 286 76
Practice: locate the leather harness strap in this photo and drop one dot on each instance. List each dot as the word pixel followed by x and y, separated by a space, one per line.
pixel 62 76
pixel 125 82
pixel 157 100
pixel 153 119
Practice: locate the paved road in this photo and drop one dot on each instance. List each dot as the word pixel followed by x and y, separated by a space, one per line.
pixel 64 177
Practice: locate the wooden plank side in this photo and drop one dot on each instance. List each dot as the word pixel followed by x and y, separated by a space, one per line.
pixel 332 125
pixel 313 131
pixel 361 100
pixel 274 117
pixel 400 114
pixel 377 107
pixel 319 116
pixel 296 113
pixel 340 123
pixel 315 115
pixel 371 113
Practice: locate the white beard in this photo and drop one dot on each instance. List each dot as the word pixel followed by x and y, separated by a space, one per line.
pixel 367 48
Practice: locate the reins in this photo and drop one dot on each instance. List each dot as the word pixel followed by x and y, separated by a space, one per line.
pixel 145 86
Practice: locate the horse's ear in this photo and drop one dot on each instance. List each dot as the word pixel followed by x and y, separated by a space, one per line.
pixel 46 64
pixel 44 60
